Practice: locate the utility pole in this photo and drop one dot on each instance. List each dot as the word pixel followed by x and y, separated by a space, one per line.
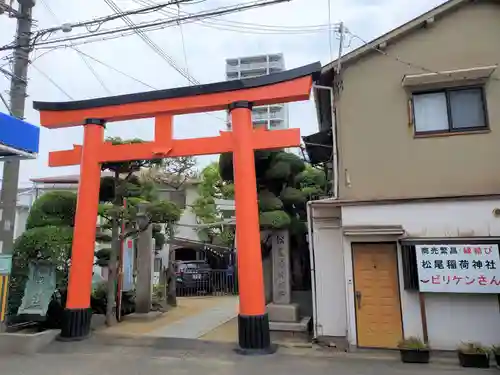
pixel 8 196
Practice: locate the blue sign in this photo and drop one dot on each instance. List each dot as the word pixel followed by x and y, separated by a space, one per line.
pixel 18 138
pixel 5 264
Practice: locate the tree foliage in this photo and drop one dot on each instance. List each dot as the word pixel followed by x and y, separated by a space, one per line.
pixel 312 182
pixel 53 208
pixel 131 166
pixel 49 229
pixel 285 183
pixel 173 172
pixel 128 183
pixel 210 188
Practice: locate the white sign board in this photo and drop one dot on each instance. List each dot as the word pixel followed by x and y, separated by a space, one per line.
pixel 128 265
pixel 458 268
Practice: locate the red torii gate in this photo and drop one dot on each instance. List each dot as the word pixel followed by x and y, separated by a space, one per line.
pixel 236 96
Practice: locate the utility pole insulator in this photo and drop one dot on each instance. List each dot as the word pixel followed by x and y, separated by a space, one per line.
pixel 66 27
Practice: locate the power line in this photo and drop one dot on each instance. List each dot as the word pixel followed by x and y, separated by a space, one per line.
pixel 131 77
pixel 330 41
pixel 196 2
pixel 247 27
pixel 87 64
pixel 5 103
pixel 101 20
pixel 52 81
pixel 184 51
pixel 255 31
pixel 402 61
pixel 157 49
pixel 322 27
pixel 44 53
pixel 156 25
pixel 98 22
pixel 94 73
pixel 112 68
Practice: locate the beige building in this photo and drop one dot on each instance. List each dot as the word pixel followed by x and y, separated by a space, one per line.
pixel 416 126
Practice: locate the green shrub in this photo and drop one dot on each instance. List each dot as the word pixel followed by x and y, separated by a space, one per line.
pixel 279 170
pixel 274 220
pixel 291 196
pixel 269 202
pixel 53 208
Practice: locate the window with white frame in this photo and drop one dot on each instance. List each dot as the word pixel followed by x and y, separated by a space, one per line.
pixel 450 110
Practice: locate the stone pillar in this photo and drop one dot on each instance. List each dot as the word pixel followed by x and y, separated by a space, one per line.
pixel 143 298
pixel 281 309
pixel 281 268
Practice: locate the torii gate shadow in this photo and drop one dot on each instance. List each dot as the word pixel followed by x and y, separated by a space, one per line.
pixel 236 96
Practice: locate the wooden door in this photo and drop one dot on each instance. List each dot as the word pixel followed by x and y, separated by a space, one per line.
pixel 376 295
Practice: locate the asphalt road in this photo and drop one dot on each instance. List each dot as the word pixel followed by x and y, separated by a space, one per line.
pixel 92 359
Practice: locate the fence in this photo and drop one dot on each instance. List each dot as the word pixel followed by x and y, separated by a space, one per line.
pixel 206 282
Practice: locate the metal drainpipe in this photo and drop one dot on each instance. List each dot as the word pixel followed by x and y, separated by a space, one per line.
pixel 310 233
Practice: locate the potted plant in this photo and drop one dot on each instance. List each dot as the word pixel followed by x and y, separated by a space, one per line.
pixel 413 350
pixel 496 353
pixel 471 354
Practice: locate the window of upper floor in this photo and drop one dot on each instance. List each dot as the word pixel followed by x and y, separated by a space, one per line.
pixel 451 110
pixel 449 102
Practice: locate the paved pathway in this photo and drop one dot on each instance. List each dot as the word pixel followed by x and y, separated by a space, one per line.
pixel 195 326
pixel 192 318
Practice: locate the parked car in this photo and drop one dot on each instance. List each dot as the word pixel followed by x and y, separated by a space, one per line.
pixel 193 277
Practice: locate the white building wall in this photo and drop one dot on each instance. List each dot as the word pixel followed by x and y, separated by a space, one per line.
pixel 451 318
pixel 329 305
pixel 186 227
pixel 20 222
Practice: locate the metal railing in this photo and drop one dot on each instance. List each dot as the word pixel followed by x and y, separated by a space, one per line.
pixel 206 282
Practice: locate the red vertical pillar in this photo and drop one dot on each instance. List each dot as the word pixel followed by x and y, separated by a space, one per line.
pixel 253 323
pixel 78 314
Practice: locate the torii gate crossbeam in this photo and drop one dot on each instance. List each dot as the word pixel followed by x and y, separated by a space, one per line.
pixel 236 96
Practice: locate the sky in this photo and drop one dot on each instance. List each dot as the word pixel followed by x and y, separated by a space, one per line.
pixel 200 48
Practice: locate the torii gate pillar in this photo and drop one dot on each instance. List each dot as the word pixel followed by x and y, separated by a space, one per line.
pixel 253 322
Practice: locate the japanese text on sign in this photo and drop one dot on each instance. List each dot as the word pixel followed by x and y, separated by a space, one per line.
pixel 458 268
pixel 281 268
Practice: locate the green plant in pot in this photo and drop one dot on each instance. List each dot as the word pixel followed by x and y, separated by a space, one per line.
pixel 496 353
pixel 472 354
pixel 414 350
